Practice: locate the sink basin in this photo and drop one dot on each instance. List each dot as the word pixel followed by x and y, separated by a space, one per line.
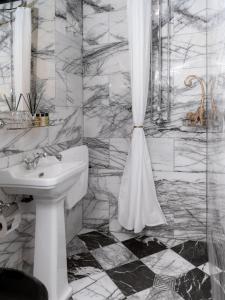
pixel 47 175
pixel 50 179
pixel 54 185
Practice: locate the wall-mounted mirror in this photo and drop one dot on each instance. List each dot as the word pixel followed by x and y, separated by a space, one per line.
pixel 15 56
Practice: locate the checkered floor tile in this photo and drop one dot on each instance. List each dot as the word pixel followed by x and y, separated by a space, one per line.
pixel 105 266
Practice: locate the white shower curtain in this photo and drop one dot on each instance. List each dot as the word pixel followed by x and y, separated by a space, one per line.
pixel 138 204
pixel 22 54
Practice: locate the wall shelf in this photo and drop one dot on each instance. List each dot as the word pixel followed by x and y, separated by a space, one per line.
pixel 32 127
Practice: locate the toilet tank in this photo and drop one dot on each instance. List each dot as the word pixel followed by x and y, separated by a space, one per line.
pixel 79 189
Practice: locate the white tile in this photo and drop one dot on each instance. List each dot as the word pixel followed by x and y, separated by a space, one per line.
pixel 156 294
pixel 98 286
pixel 209 269
pixel 113 256
pixel 168 263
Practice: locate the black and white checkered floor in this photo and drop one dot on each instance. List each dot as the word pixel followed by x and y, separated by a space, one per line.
pixel 107 266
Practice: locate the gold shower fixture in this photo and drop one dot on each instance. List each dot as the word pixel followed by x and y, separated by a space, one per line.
pixel 197 118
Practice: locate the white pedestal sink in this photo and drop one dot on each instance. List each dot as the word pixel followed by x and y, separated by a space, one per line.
pixel 49 184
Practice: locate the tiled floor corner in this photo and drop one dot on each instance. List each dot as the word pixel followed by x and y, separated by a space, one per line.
pixel 106 266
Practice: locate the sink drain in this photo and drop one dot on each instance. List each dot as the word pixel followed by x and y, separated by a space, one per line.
pixel 41 175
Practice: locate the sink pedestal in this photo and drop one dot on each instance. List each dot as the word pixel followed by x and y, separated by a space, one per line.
pixel 50 265
pixel 52 184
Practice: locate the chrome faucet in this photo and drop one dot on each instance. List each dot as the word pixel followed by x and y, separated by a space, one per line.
pixel 32 163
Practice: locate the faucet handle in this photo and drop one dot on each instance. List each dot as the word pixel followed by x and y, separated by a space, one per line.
pixel 40 155
pixel 29 163
pixel 59 156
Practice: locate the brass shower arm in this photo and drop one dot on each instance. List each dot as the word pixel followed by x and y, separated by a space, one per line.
pixel 189 83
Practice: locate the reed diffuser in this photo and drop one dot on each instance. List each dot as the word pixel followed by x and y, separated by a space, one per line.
pixel 24 118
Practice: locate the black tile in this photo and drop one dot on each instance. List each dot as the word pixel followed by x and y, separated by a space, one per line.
pixel 132 278
pixel 82 265
pixel 95 239
pixel 195 285
pixel 143 246
pixel 195 252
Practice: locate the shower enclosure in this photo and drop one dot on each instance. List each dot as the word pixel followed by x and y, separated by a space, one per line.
pixel 216 145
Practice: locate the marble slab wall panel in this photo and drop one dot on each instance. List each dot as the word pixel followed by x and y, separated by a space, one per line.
pixel 57 77
pixel 178 153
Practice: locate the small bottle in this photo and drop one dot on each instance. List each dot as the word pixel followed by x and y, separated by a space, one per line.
pixel 46 119
pixel 37 120
pixel 42 119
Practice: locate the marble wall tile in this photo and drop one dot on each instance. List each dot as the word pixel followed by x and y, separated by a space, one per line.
pixel 23 140
pixel 68 20
pixel 70 125
pixel 5 37
pixel 103 194
pixel 106 59
pixel 107 121
pixel 43 34
pixel 189 50
pixel 43 64
pixel 99 153
pixel 118 5
pixel 68 56
pixel 190 155
pixel 118 27
pixel 161 159
pixel 74 94
pixel 95 212
pixel 12 246
pixel 96 30
pixel 96 91
pixel 119 148
pixel 120 88
pixel 45 9
pixel 97 7
pixel 189 16
pixel 215 16
pixel 215 49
